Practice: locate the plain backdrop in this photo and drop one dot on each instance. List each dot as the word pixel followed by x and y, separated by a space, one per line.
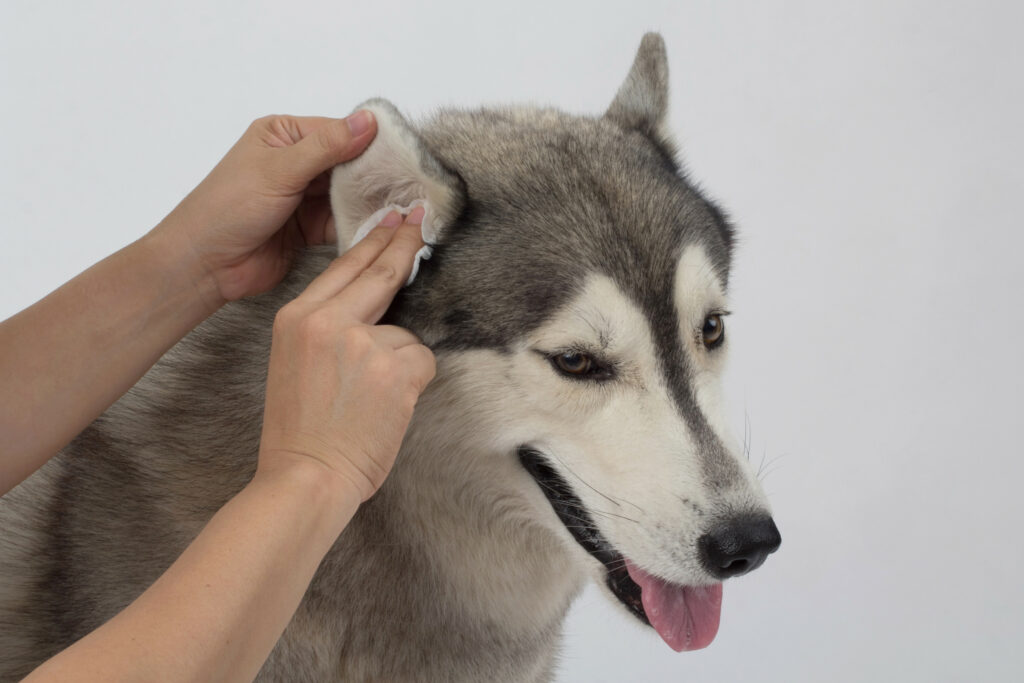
pixel 870 153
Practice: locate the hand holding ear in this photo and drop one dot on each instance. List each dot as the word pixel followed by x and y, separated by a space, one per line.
pixel 267 196
pixel 340 388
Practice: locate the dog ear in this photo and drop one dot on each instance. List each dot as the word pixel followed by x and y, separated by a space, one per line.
pixel 396 169
pixel 642 101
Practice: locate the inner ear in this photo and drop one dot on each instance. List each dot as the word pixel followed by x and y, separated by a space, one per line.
pixel 642 100
pixel 396 169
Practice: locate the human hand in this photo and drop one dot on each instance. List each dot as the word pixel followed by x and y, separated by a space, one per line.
pixel 266 197
pixel 340 389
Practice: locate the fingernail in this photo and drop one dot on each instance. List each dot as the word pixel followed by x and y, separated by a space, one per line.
pixel 392 220
pixel 416 217
pixel 359 122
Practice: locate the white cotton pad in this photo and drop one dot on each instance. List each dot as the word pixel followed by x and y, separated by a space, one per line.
pixel 428 229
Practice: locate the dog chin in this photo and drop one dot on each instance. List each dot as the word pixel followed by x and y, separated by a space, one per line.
pixel 686 617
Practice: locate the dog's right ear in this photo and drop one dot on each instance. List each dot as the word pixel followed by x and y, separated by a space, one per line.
pixel 395 169
pixel 642 101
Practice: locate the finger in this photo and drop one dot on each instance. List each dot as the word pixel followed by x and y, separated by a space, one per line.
pixel 370 294
pixel 420 360
pixel 328 142
pixel 304 126
pixel 347 267
pixel 394 336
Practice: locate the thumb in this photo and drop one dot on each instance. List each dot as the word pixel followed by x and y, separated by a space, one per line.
pixel 330 144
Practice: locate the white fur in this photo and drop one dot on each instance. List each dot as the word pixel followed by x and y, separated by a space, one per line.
pixel 622 445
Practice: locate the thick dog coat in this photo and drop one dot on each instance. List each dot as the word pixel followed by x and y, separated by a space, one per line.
pixel 575 301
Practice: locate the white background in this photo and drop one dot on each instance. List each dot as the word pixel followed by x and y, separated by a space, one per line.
pixel 870 153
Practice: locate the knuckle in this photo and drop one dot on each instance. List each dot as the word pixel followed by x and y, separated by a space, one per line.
pixel 425 361
pixel 382 271
pixel 357 337
pixel 430 366
pixel 263 122
pixel 425 377
pixel 357 343
pixel 384 364
pixel 285 318
pixel 317 325
pixel 380 371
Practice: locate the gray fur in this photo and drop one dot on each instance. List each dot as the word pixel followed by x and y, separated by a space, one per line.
pixel 538 199
pixel 642 101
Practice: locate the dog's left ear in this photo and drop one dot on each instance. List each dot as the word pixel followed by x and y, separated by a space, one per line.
pixel 642 101
pixel 398 169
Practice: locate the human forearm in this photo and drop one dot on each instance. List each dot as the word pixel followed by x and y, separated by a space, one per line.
pixel 67 358
pixel 340 394
pixel 217 612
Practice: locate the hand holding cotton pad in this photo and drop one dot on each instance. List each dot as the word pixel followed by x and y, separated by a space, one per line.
pixel 427 228
pixel 395 173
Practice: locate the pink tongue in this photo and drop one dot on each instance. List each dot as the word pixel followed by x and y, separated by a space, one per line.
pixel 686 617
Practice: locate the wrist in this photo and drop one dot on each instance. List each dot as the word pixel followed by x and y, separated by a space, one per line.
pixel 181 265
pixel 324 493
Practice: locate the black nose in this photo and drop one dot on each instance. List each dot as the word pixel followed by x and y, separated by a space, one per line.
pixel 739 546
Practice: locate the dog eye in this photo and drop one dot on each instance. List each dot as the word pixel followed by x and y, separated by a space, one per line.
pixel 579 366
pixel 713 333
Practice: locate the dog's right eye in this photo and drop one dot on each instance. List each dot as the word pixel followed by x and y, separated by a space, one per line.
pixel 579 366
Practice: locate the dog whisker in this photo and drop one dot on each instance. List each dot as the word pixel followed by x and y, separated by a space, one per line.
pixel 612 514
pixel 769 466
pixel 746 435
pixel 611 499
pixel 586 511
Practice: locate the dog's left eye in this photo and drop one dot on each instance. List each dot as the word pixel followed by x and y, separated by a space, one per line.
pixel 713 332
pixel 579 366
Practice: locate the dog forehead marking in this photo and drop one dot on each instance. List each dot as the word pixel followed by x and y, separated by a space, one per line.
pixel 604 317
pixel 697 287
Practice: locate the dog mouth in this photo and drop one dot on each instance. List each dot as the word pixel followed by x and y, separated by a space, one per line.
pixel 578 522
pixel 686 617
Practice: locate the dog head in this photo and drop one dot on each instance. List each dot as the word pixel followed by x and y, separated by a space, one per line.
pixel 578 291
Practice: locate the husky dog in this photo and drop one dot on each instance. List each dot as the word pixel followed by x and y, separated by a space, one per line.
pixel 575 302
